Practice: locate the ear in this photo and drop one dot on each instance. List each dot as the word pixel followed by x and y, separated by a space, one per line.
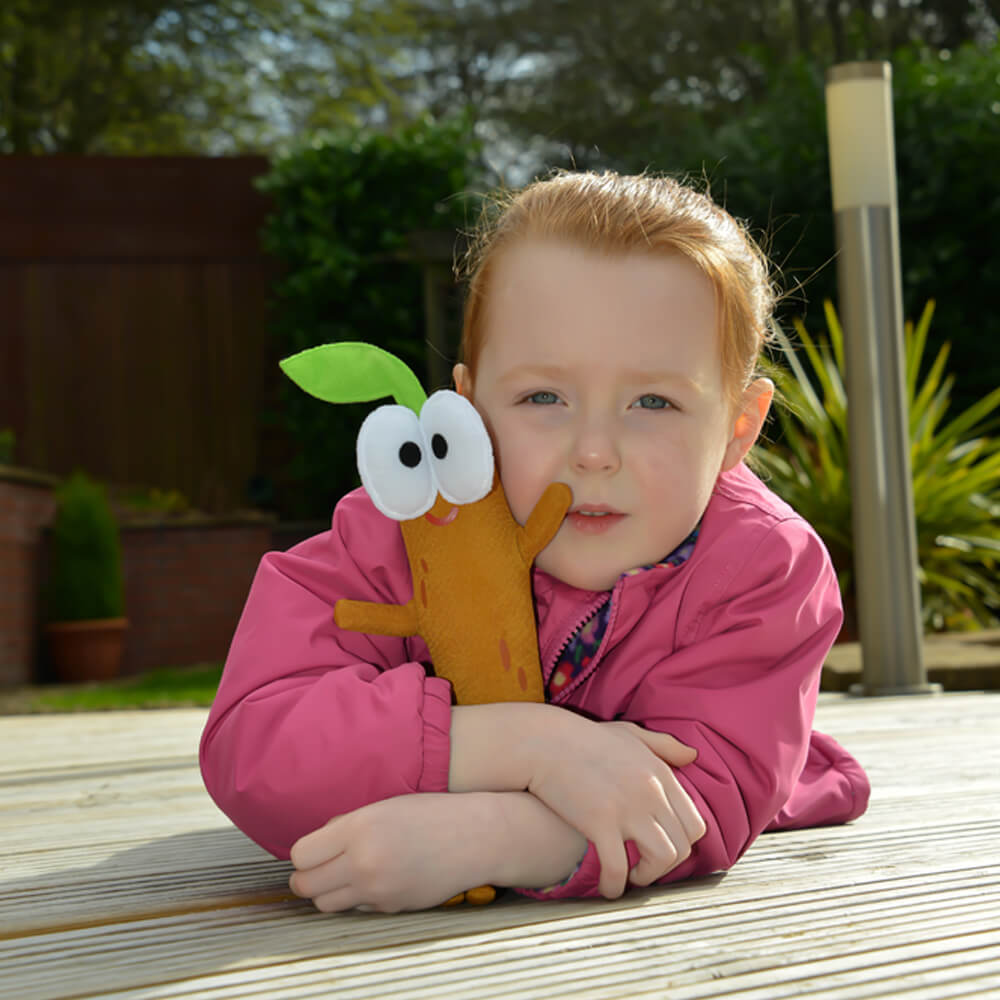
pixel 749 421
pixel 463 380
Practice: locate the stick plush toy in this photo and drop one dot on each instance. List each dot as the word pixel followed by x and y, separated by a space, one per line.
pixel 428 464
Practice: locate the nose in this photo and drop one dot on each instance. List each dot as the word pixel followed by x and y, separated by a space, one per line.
pixel 595 449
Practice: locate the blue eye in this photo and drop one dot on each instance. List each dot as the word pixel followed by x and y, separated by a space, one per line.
pixel 543 398
pixel 652 402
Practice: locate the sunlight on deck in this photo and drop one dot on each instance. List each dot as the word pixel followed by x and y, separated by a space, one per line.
pixel 121 879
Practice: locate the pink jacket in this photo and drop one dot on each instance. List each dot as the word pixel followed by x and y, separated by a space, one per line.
pixel 724 652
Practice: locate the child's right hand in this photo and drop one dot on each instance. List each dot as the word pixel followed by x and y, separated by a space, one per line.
pixel 613 781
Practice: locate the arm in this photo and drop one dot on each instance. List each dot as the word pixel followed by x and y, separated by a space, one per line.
pixel 544 520
pixel 611 781
pixel 741 690
pixel 416 851
pixel 383 619
pixel 311 722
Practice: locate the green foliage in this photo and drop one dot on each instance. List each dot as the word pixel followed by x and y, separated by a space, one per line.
pixel 591 82
pixel 170 687
pixel 6 447
pixel 173 76
pixel 768 164
pixel 86 574
pixel 955 465
pixel 343 208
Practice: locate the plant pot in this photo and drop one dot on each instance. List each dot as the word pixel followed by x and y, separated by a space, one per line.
pixel 87 650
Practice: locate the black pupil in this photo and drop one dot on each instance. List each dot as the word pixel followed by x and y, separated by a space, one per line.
pixel 409 454
pixel 439 446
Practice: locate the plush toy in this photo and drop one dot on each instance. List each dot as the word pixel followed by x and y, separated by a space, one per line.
pixel 428 463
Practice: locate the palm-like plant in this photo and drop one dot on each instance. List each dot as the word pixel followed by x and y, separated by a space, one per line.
pixel 955 465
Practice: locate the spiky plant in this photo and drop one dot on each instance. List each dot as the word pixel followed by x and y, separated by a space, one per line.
pixel 955 463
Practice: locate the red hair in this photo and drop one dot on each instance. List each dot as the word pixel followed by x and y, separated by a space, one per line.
pixel 612 213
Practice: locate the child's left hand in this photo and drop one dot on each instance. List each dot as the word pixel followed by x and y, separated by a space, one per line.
pixel 406 853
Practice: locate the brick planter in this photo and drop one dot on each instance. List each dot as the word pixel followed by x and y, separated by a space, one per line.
pixel 186 582
pixel 27 504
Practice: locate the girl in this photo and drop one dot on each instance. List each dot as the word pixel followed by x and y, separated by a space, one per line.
pixel 612 331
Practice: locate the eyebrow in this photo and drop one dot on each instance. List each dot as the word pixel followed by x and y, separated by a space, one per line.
pixel 639 376
pixel 636 376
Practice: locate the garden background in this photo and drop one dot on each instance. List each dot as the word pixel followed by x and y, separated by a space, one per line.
pixel 190 191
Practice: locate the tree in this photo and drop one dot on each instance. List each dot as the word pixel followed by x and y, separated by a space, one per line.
pixel 591 78
pixel 93 76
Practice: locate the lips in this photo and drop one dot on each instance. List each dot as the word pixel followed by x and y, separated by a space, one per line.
pixel 594 519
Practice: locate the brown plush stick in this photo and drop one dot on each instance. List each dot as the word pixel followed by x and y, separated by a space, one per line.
pixel 472 601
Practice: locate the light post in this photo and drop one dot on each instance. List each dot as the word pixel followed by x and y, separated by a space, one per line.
pixel 863 177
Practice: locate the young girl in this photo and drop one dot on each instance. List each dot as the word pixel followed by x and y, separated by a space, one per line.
pixel 612 332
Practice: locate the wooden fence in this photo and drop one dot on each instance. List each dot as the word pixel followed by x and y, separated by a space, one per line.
pixel 132 319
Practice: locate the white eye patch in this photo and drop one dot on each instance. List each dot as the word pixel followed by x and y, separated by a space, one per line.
pixel 461 454
pixel 393 463
pixel 404 462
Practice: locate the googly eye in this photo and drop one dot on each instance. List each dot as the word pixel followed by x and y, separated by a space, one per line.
pixel 393 463
pixel 461 454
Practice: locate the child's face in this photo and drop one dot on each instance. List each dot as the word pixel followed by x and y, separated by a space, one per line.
pixel 603 372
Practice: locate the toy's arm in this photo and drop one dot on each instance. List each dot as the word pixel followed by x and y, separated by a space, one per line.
pixel 383 619
pixel 544 520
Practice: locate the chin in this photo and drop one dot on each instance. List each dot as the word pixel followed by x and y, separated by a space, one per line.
pixel 584 580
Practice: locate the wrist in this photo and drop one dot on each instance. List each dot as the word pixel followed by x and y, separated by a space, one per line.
pixel 536 848
pixel 483 846
pixel 494 747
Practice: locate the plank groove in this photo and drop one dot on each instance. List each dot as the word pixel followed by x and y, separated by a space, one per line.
pixel 122 881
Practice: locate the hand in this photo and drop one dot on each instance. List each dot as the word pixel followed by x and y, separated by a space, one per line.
pixel 404 853
pixel 613 782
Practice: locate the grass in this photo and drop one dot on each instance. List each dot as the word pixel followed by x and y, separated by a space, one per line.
pixel 173 687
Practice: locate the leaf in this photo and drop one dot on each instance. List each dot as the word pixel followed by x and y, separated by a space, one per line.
pixel 916 340
pixel 955 468
pixel 353 372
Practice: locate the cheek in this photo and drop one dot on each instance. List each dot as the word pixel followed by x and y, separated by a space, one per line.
pixel 677 465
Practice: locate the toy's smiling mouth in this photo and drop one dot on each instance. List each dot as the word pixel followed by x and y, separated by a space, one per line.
pixel 440 522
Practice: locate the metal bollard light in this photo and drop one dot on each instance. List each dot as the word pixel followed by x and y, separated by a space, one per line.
pixel 863 177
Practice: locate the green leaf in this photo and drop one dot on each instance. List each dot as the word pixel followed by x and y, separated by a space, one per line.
pixel 955 466
pixel 353 372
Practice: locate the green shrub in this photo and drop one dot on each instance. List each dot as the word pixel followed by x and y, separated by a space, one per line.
pixel 955 465
pixel 85 576
pixel 768 163
pixel 343 207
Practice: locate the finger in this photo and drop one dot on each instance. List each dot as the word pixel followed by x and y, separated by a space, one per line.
pixel 614 868
pixel 667 748
pixel 325 878
pixel 674 829
pixel 658 853
pixel 338 900
pixel 683 808
pixel 316 848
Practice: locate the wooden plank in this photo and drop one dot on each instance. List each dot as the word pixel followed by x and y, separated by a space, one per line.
pixel 129 207
pixel 905 902
pixel 129 278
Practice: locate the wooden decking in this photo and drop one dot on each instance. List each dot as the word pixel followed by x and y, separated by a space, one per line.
pixel 120 879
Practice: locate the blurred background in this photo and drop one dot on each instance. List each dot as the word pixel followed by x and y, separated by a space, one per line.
pixel 190 191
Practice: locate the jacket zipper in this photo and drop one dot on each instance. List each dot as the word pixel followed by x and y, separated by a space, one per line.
pixel 561 648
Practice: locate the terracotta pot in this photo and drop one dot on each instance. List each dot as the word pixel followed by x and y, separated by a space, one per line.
pixel 87 650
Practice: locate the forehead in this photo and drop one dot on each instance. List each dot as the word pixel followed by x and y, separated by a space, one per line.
pixel 549 299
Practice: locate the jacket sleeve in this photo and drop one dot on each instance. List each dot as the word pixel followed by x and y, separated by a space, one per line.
pixel 740 687
pixel 310 721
